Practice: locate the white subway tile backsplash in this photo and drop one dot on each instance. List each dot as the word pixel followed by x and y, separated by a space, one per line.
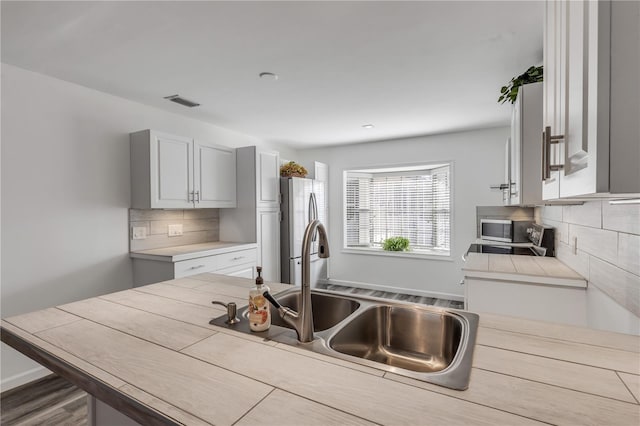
pixel 140 215
pixel 621 217
pixel 608 254
pixel 579 262
pixel 198 226
pixel 600 243
pixel 620 285
pixel 161 241
pixel 552 213
pixel 202 214
pixel 588 214
pixel 562 229
pixel 159 227
pixel 629 252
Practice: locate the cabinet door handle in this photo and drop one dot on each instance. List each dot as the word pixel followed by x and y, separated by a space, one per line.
pixel 544 155
pixel 197 267
pixel 548 139
pixel 501 187
pixel 197 200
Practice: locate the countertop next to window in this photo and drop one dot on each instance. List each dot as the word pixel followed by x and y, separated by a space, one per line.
pixel 151 351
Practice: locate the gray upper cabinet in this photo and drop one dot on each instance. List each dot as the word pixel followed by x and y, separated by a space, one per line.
pixel 177 172
pixel 590 134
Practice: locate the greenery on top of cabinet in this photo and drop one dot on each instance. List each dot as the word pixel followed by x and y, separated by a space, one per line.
pixel 510 91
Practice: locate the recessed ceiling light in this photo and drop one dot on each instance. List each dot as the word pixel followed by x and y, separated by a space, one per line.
pixel 269 76
pixel 368 126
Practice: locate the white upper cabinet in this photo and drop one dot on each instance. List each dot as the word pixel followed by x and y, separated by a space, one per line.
pixel 256 217
pixel 170 171
pixel 268 179
pixel 523 151
pixel 215 175
pixel 591 143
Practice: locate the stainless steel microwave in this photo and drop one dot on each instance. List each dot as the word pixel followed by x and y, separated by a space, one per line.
pixel 508 231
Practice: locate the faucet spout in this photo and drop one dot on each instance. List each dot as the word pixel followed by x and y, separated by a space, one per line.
pixel 302 321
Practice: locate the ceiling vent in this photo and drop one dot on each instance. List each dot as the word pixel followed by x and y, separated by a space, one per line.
pixel 182 101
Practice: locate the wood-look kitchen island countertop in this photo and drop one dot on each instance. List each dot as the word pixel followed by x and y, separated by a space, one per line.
pixel 150 352
pixel 190 251
pixel 533 269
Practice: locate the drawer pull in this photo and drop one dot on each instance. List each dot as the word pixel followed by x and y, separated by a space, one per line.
pixel 238 258
pixel 197 267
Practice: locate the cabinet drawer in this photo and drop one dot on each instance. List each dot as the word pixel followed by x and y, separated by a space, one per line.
pixel 247 270
pixel 214 263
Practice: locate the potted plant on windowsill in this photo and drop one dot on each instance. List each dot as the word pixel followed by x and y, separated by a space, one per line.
pixel 395 244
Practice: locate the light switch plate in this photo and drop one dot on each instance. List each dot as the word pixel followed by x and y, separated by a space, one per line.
pixel 175 230
pixel 139 232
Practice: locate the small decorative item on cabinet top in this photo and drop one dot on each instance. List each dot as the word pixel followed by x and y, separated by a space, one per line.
pixel 292 169
pixel 510 91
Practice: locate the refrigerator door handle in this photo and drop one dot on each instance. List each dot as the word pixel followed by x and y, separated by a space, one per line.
pixel 315 206
pixel 315 214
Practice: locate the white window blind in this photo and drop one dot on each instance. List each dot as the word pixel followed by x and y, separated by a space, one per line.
pixel 414 204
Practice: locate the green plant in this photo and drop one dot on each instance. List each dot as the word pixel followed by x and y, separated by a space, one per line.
pixel 395 244
pixel 292 169
pixel 510 91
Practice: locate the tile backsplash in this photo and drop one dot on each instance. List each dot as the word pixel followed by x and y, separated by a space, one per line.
pixel 601 242
pixel 198 226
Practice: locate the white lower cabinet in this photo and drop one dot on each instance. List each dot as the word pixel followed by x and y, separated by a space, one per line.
pixel 542 302
pixel 268 239
pixel 240 263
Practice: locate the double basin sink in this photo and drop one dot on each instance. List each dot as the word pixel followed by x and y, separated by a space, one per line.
pixel 425 343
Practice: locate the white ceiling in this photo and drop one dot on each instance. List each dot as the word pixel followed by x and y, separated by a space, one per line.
pixel 409 68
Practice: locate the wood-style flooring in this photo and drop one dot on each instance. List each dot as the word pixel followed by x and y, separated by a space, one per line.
pixel 442 303
pixel 50 401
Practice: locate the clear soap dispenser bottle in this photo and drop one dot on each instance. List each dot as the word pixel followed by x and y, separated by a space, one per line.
pixel 259 309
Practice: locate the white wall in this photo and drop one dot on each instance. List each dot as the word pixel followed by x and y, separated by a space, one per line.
pixel 478 161
pixel 65 193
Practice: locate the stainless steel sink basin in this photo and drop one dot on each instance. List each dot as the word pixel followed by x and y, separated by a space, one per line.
pixel 328 310
pixel 426 343
pixel 407 337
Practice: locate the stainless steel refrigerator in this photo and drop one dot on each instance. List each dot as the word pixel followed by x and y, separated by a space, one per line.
pixel 303 200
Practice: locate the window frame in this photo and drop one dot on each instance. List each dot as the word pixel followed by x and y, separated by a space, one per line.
pixel 408 167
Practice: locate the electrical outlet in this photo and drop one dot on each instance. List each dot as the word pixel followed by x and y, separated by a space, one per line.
pixel 175 230
pixel 139 232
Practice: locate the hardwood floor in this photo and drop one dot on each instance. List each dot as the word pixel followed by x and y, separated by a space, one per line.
pixel 50 401
pixel 442 303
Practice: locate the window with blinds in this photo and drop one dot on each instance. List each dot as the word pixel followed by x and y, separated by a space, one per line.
pixel 412 202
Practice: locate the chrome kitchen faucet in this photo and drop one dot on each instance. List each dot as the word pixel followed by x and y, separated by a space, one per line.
pixel 302 321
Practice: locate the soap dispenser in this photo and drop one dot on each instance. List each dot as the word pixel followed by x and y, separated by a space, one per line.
pixel 259 308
